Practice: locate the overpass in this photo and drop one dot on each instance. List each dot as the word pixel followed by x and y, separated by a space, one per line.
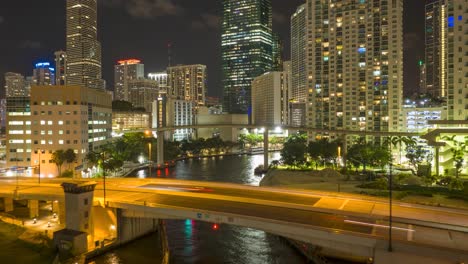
pixel 348 225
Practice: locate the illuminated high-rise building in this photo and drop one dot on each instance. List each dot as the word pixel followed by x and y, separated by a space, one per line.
pixel 43 74
pixel 188 82
pixel 355 65
pixel 15 85
pixel 433 20
pixel 277 53
pixel 422 77
pixel 247 49
pixel 83 48
pixel 60 67
pixel 161 78
pixel 446 63
pixel 124 72
pixel 142 93
pixel 270 99
pixel 298 55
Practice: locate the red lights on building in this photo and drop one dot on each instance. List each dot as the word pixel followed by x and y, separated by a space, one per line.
pixel 128 62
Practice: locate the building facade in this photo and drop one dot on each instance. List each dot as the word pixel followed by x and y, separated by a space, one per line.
pixel 160 77
pixel 15 85
pixel 18 133
pixel 247 50
pixel 143 92
pixel 188 82
pixel 67 117
pixel 122 121
pixel 434 57
pixel 43 74
pixel 446 63
pixel 355 65
pixel 422 77
pixel 169 112
pixel 298 55
pixel 124 72
pixel 270 99
pixel 83 48
pixel 60 67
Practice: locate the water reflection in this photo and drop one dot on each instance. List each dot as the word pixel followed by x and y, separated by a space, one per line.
pixel 232 169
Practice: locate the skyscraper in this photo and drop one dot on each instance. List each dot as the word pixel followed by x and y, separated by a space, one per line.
pixel 124 72
pixel 270 99
pixel 446 65
pixel 247 49
pixel 298 54
pixel 433 20
pixel 60 67
pixel 43 74
pixel 15 85
pixel 422 77
pixel 277 53
pixel 188 82
pixel 142 93
pixel 83 48
pixel 355 65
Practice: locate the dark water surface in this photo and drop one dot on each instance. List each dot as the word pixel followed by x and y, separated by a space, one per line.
pixel 200 242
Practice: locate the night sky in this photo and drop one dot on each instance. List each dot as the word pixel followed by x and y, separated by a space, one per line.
pixel 31 30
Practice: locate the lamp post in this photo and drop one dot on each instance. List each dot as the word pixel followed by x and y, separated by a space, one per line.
pixel 390 183
pixel 149 155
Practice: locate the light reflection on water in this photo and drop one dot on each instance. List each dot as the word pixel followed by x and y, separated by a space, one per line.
pixel 197 242
pixel 232 169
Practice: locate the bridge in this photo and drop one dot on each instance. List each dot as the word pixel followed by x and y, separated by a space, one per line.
pixel 346 225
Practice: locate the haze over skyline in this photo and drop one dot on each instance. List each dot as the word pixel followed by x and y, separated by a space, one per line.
pixel 143 28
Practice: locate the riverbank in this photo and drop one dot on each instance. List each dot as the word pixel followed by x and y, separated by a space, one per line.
pixel 19 245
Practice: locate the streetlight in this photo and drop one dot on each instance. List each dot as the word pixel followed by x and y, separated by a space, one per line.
pixel 149 155
pixel 390 180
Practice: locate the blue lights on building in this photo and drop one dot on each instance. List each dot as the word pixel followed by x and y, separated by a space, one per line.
pixel 361 50
pixel 451 21
pixel 44 64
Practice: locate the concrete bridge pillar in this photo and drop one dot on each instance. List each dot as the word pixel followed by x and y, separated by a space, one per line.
pixel 8 205
pixel 33 206
pixel 59 209
pixel 160 148
pixel 265 149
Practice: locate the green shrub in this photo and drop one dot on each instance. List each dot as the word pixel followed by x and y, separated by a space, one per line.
pixel 379 184
pixel 456 184
pixel 412 180
pixel 67 174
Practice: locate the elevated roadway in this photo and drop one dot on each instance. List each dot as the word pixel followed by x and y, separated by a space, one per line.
pixel 352 225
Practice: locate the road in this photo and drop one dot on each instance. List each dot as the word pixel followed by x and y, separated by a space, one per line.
pixel 420 225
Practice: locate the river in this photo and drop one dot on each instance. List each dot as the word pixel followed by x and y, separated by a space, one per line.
pixel 200 242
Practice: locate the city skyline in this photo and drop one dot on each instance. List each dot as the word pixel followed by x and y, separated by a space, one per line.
pixel 199 24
